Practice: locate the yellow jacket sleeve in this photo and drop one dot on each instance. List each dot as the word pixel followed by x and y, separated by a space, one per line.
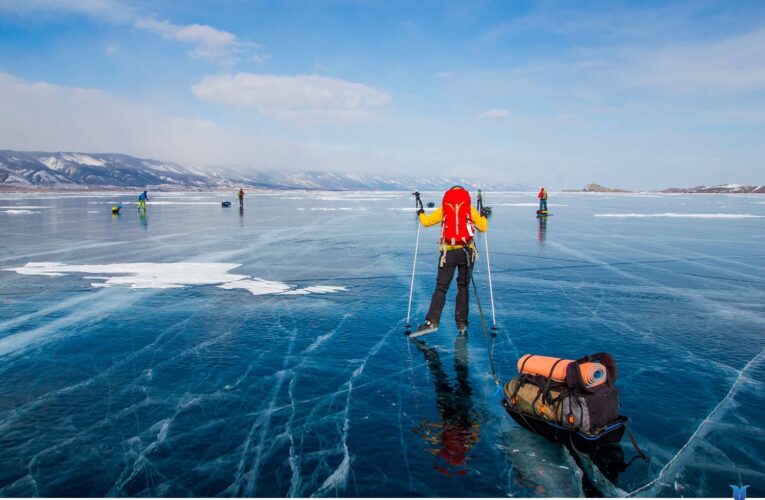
pixel 480 221
pixel 432 219
pixel 436 216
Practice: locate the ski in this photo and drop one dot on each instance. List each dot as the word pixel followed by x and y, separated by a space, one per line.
pixel 425 331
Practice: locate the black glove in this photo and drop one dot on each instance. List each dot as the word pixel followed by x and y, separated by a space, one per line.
pixel 485 212
pixel 420 211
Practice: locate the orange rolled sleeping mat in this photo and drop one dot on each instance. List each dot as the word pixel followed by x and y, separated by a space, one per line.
pixel 593 374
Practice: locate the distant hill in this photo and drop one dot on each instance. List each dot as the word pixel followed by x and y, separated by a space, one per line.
pixel 724 188
pixel 45 170
pixel 596 188
pixel 721 189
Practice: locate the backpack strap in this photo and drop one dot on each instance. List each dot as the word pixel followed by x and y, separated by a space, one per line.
pixel 549 377
pixel 520 380
pixel 545 392
pixel 574 379
pixel 523 365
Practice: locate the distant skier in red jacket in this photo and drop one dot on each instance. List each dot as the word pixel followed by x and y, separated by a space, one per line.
pixel 542 200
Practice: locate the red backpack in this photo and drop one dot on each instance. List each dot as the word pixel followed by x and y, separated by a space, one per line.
pixel 457 224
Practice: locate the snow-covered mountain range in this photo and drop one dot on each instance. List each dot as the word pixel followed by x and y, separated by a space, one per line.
pixel 719 189
pixel 723 188
pixel 45 170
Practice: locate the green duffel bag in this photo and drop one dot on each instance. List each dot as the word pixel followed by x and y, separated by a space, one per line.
pixel 588 412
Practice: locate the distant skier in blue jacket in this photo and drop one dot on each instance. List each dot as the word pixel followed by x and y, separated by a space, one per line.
pixel 142 199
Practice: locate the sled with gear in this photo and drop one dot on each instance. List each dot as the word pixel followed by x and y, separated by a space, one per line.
pixel 116 208
pixel 543 213
pixel 572 402
pixel 225 204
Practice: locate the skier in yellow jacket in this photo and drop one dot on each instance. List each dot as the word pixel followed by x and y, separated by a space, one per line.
pixel 458 219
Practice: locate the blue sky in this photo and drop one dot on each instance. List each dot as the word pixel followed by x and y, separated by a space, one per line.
pixel 631 94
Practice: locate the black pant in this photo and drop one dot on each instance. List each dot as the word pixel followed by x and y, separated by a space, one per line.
pixel 455 259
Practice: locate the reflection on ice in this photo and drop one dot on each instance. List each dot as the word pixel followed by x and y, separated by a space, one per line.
pixel 458 431
pixel 539 467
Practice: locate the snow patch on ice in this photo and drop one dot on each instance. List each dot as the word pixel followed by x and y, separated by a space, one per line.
pixel 18 212
pixel 161 202
pixel 257 286
pixel 144 275
pixel 141 274
pixel 524 205
pixel 316 289
pixel 351 198
pixel 336 209
pixel 682 216
pixel 184 202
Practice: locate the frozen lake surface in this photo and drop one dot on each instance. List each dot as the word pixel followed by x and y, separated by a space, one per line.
pixel 205 351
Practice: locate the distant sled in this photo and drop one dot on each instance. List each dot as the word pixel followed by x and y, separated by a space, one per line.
pixel 543 213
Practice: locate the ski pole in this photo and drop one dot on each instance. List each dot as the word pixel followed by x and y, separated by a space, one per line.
pixel 418 205
pixel 479 207
pixel 491 287
pixel 488 268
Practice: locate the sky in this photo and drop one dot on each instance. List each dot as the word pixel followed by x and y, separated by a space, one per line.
pixel 637 95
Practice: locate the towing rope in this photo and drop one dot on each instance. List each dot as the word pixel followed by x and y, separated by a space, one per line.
pixel 483 320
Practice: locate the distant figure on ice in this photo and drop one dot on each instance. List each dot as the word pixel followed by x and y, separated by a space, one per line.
pixel 459 220
pixel 241 197
pixel 142 199
pixel 542 200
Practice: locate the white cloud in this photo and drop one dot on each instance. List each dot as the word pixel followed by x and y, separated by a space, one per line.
pixel 260 58
pixel 114 10
pixel 443 74
pixel 297 99
pixel 111 48
pixel 46 117
pixel 495 114
pixel 732 64
pixel 211 43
